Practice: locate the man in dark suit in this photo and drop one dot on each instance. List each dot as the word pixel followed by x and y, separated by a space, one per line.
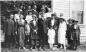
pixel 41 29
pixel 9 30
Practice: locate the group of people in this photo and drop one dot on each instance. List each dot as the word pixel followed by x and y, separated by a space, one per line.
pixel 40 29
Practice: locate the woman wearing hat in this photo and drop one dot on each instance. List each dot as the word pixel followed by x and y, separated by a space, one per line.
pixel 75 35
pixel 33 32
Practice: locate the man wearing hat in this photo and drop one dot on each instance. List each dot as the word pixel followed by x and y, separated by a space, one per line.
pixel 41 33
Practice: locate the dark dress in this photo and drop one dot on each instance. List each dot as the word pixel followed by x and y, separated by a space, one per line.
pixel 34 36
pixel 41 32
pixel 75 36
pixel 9 30
pixel 69 34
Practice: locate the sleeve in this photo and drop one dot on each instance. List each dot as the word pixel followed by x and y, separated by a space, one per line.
pixel 26 18
pixel 13 28
pixel 79 30
pixel 15 17
pixel 31 25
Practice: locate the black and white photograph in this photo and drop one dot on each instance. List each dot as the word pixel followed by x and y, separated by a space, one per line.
pixel 43 25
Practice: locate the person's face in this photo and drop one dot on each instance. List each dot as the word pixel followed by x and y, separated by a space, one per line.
pixel 21 7
pixel 29 7
pixel 19 12
pixel 52 16
pixel 30 13
pixel 43 11
pixel 43 6
pixel 33 18
pixel 11 16
pixel 76 23
pixel 35 7
pixel 21 17
pixel 61 14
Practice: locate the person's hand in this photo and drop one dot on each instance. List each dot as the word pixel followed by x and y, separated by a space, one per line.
pixel 16 32
pixel 47 28
pixel 34 30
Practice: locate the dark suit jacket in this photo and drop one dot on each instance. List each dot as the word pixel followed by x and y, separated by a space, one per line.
pixel 49 24
pixel 9 27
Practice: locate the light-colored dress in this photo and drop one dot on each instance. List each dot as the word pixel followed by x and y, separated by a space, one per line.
pixel 28 19
pixel 62 33
pixel 51 36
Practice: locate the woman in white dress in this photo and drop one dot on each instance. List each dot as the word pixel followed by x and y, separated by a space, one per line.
pixel 27 32
pixel 62 33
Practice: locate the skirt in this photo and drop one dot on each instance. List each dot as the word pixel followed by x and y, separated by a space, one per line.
pixel 51 36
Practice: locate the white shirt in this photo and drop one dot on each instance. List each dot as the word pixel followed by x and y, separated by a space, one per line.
pixel 28 18
pixel 52 22
pixel 48 14
pixel 16 17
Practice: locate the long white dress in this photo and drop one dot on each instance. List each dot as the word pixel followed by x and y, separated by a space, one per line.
pixel 51 36
pixel 62 33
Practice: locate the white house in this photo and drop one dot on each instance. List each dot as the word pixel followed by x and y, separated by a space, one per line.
pixel 72 9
